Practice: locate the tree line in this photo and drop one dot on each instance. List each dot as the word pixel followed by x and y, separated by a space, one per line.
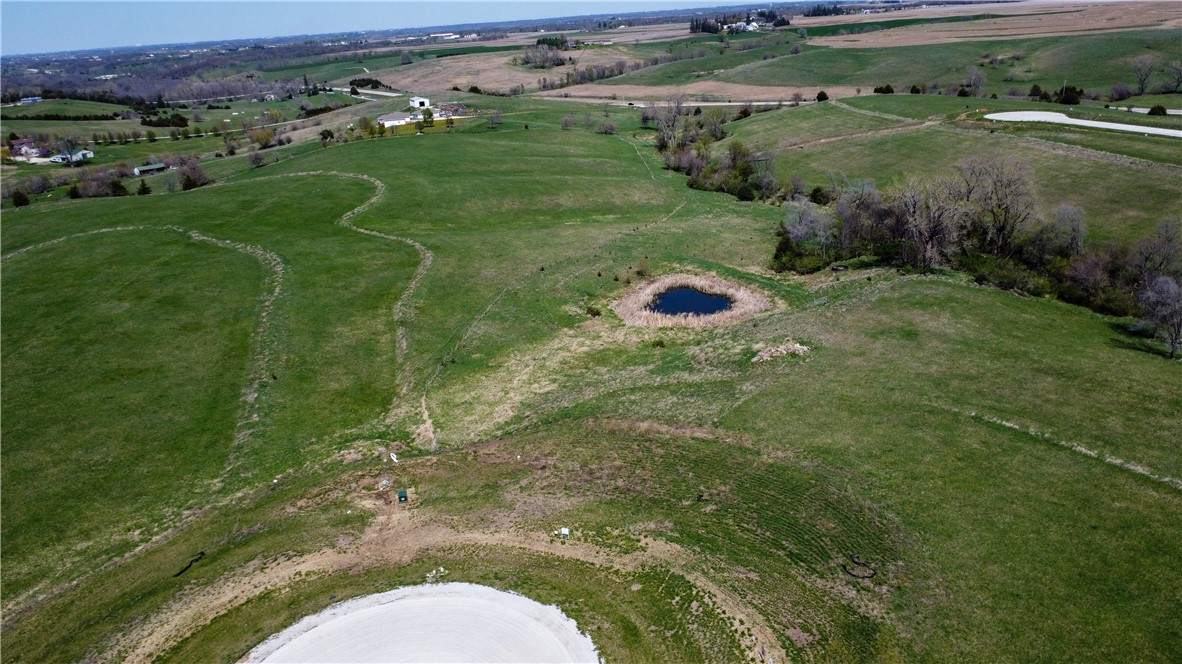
pixel 592 73
pixel 981 219
pixel 66 117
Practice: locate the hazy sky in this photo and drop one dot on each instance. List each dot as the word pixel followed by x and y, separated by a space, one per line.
pixel 40 26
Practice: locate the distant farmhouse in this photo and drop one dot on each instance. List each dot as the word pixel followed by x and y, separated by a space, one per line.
pixel 25 101
pixel 391 120
pixel 25 147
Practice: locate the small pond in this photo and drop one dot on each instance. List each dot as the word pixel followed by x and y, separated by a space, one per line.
pixel 683 300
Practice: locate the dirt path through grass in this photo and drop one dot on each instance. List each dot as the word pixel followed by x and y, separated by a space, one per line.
pixel 398 536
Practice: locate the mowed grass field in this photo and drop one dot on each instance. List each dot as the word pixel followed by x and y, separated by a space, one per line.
pixel 934 431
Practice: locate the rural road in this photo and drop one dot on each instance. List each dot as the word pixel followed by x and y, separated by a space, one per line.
pixel 1059 118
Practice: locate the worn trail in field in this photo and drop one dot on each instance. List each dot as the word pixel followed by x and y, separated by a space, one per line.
pixel 398 536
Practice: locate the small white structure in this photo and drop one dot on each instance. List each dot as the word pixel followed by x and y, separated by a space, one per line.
pixel 420 102
pixel 150 168
pixel 564 532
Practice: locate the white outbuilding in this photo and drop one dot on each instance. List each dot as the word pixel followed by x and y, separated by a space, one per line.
pixel 420 102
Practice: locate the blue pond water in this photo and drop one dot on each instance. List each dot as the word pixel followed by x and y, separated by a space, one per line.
pixel 677 301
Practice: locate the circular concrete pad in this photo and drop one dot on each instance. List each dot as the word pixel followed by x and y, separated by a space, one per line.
pixel 446 622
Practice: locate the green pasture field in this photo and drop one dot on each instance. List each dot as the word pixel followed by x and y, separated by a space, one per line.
pixel 1161 149
pixel 924 107
pixel 342 69
pixel 687 71
pixel 934 430
pixel 1092 62
pixel 852 28
pixel 971 112
pixel 81 129
pixel 1172 102
pixel 889 156
pixel 784 128
pixel 257 110
pixel 62 106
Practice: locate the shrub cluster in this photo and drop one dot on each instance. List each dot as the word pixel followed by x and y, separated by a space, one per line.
pixel 685 139
pixel 174 120
pixel 371 83
pixel 544 56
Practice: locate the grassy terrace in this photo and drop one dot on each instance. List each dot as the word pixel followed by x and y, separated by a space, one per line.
pixel 938 431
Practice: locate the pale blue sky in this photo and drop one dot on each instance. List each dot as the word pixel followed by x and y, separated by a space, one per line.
pixel 40 26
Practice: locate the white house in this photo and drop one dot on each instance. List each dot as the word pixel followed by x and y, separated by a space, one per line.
pixel 72 156
pixel 395 119
pixel 420 102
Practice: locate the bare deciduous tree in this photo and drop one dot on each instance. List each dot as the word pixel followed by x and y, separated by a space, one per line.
pixel 997 191
pixel 975 79
pixel 929 214
pixel 1174 72
pixel 1143 68
pixel 1159 254
pixel 712 122
pixel 1072 227
pixel 1162 304
pixel 810 229
pixel 1089 273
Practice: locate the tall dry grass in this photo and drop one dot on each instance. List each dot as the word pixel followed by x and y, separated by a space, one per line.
pixel 634 308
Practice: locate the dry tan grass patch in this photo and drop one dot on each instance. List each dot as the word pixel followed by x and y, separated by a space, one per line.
pixel 1026 19
pixel 634 308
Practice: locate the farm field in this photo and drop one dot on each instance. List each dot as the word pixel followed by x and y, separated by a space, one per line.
pixel 213 398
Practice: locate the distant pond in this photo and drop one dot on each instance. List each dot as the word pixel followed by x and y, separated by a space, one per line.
pixel 683 300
